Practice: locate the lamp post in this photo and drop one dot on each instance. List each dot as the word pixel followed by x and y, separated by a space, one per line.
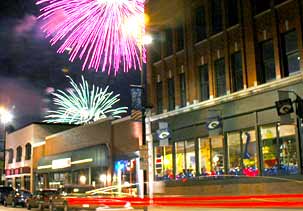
pixel 5 117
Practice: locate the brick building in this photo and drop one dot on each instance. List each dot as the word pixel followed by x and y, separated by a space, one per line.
pixel 19 154
pixel 225 59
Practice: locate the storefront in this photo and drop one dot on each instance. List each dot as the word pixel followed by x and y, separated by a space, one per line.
pixel 252 142
pixel 83 166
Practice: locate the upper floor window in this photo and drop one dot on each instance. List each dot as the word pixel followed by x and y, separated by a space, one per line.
pixel 220 79
pixel 10 155
pixel 200 24
pixel 204 82
pixel 232 12
pixel 28 151
pixel 180 37
pixel 183 89
pixel 155 47
pixel 236 71
pixel 168 41
pixel 171 94
pixel 19 154
pixel 267 70
pixel 291 54
pixel 159 97
pixel 216 13
pixel 260 5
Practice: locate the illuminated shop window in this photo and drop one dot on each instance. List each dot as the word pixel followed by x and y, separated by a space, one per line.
pixel 217 153
pixel 269 151
pixel 180 159
pixel 164 163
pixel 279 154
pixel 234 153
pixel 242 153
pixel 249 153
pixel 204 159
pixel 287 150
pixel 185 159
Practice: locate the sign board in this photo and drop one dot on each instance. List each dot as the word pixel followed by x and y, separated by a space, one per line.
pixel 61 163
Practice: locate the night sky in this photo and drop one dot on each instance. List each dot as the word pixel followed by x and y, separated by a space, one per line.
pixel 29 65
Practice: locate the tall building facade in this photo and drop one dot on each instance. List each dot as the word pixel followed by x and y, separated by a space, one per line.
pixel 224 62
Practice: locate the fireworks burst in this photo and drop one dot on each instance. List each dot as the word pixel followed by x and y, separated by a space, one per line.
pixel 105 33
pixel 79 104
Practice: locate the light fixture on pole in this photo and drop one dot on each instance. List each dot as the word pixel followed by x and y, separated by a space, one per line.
pixel 5 117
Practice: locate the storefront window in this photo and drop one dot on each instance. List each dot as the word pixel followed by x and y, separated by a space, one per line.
pixel 205 161
pixel 10 182
pixel 27 182
pixel 250 156
pixel 164 163
pixel 217 153
pixel 180 159
pixel 279 155
pixel 288 150
pixel 185 159
pixel 270 155
pixel 242 153
pixel 190 158
pixel 234 153
pixel 17 182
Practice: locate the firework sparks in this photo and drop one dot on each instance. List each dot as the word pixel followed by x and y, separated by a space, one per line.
pixel 104 34
pixel 79 104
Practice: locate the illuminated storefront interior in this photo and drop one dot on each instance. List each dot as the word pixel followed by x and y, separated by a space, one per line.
pixel 234 154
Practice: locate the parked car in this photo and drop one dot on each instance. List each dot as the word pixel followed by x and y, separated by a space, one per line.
pixel 17 197
pixel 59 201
pixel 4 191
pixel 40 199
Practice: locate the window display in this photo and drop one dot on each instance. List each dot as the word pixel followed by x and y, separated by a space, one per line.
pixel 287 150
pixel 270 156
pixel 249 153
pixel 234 153
pixel 190 159
pixel 217 153
pixel 164 163
pixel 205 161
pixel 185 159
pixel 279 154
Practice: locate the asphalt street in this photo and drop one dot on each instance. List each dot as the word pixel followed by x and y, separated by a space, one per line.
pixel 173 209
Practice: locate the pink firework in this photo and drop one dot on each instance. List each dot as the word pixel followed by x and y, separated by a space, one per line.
pixel 104 34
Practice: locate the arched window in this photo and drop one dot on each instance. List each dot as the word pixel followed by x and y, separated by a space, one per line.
pixel 19 154
pixel 28 151
pixel 10 155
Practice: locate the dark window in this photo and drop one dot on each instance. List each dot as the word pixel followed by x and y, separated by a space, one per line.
pixel 19 154
pixel 27 182
pixel 159 98
pixel 183 89
pixel 291 55
pixel 217 25
pixel 10 155
pixel 260 5
pixel 220 77
pixel 267 70
pixel 28 151
pixel 204 82
pixel 168 41
pixel 236 71
pixel 232 12
pixel 279 1
pixel 155 47
pixel 200 25
pixel 180 37
pixel 171 94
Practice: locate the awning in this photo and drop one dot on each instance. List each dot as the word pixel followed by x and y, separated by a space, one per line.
pixel 96 156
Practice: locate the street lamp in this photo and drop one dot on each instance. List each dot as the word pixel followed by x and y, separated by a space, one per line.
pixel 5 117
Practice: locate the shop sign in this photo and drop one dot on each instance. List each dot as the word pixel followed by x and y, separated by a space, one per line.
pixel 214 122
pixel 163 134
pixel 61 163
